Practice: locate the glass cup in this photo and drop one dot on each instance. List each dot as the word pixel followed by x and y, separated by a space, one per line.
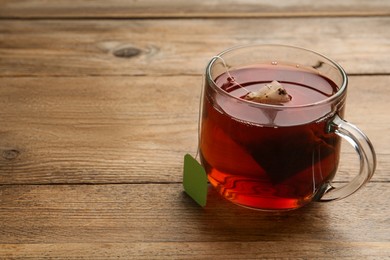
pixel 277 156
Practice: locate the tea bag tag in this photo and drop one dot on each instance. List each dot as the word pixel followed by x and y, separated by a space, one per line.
pixel 271 93
pixel 195 180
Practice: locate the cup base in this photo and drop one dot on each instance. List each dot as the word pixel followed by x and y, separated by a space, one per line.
pixel 265 201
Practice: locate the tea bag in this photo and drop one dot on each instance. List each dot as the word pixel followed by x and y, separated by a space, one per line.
pixel 271 93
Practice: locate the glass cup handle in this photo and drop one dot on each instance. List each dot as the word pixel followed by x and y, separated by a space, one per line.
pixel 364 149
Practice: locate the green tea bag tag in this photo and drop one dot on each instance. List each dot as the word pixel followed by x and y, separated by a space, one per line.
pixel 195 180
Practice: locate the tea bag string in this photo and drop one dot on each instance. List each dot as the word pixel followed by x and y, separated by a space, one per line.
pixel 200 115
pixel 201 98
pixel 228 72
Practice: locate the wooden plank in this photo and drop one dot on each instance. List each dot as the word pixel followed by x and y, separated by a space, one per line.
pixel 88 128
pixel 196 250
pixel 169 47
pixel 133 129
pixel 158 220
pixel 192 8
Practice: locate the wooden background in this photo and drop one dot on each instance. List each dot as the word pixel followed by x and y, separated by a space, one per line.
pixel 99 104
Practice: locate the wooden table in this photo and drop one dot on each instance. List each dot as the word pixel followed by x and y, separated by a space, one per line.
pixel 99 104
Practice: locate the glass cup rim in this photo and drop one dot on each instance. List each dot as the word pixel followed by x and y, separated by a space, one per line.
pixel 328 100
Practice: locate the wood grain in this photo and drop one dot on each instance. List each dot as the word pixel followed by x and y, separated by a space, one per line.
pixel 194 250
pixel 159 221
pixel 99 103
pixel 198 250
pixel 191 8
pixel 132 129
pixel 169 47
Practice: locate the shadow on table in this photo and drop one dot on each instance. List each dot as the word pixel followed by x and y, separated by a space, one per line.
pixel 222 220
